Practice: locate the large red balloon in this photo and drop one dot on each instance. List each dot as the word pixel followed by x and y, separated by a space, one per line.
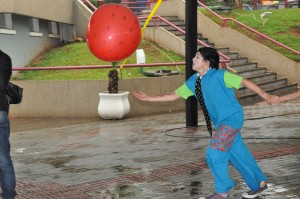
pixel 113 32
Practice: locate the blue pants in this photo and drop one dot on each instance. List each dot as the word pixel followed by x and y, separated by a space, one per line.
pixel 243 161
pixel 7 173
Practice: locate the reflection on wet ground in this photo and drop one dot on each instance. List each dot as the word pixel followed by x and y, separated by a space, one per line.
pixel 147 157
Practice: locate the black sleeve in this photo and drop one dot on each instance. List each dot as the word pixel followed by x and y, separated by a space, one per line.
pixel 5 69
pixel 2 83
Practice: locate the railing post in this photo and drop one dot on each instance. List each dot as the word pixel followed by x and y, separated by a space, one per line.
pixel 255 4
pixel 223 64
pixel 156 22
pixel 224 24
pixel 286 4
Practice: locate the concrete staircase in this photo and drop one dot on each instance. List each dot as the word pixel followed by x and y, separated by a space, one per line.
pixel 267 80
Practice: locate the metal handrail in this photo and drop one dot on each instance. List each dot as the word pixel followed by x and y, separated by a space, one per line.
pixel 224 24
pixel 97 66
pixel 89 4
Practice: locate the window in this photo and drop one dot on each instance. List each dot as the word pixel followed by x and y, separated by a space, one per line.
pixel 5 21
pixel 34 27
pixel 53 29
pixel 6 24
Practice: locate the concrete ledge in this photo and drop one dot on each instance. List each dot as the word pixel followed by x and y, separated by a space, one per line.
pixel 79 98
pixel 7 31
pixel 36 34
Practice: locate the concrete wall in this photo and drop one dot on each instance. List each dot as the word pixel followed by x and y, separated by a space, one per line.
pixel 81 16
pixel 58 10
pixel 165 39
pixel 172 8
pixel 81 98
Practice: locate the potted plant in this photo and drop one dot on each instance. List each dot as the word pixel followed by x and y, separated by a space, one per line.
pixel 113 104
pixel 113 34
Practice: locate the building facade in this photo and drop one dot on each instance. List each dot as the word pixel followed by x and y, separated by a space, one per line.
pixel 28 29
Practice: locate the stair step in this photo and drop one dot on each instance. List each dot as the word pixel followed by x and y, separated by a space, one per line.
pixel 231 55
pixel 168 28
pixel 244 67
pixel 263 77
pixel 178 33
pixel 250 73
pixel 254 98
pixel 171 18
pixel 205 40
pixel 209 44
pixel 161 23
pixel 168 18
pixel 237 61
pixel 223 49
pixel 264 85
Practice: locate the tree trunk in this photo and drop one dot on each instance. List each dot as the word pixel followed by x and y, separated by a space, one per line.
pixel 113 79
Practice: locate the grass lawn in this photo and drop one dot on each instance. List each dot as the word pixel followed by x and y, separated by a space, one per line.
pixel 78 54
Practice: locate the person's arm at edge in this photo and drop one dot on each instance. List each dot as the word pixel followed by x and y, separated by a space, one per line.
pixel 1 81
pixel 158 98
pixel 270 99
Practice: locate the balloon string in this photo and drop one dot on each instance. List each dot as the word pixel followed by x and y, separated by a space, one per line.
pixel 121 67
pixel 150 16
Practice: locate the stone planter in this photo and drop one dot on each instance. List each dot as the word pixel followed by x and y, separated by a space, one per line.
pixel 113 106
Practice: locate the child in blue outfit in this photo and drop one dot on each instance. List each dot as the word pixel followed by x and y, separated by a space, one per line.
pixel 214 89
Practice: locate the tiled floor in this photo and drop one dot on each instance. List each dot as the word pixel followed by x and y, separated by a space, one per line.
pixel 148 157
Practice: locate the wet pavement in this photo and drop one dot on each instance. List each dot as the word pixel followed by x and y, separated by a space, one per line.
pixel 148 157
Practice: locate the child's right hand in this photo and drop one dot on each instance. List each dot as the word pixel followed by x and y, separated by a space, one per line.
pixel 157 98
pixel 141 95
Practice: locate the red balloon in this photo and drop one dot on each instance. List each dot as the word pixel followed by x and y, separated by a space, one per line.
pixel 113 32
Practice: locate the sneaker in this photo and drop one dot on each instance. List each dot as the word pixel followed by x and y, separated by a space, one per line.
pixel 215 196
pixel 254 194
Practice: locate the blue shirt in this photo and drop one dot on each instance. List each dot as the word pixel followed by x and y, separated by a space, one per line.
pixel 219 97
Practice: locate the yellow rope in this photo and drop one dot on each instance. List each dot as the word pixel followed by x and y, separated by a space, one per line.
pixel 150 16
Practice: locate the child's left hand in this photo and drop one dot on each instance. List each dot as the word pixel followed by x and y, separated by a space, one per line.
pixel 272 99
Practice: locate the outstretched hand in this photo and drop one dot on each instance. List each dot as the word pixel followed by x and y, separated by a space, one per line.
pixel 141 95
pixel 272 99
pixel 157 98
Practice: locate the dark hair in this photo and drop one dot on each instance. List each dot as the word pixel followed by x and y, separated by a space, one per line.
pixel 211 55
